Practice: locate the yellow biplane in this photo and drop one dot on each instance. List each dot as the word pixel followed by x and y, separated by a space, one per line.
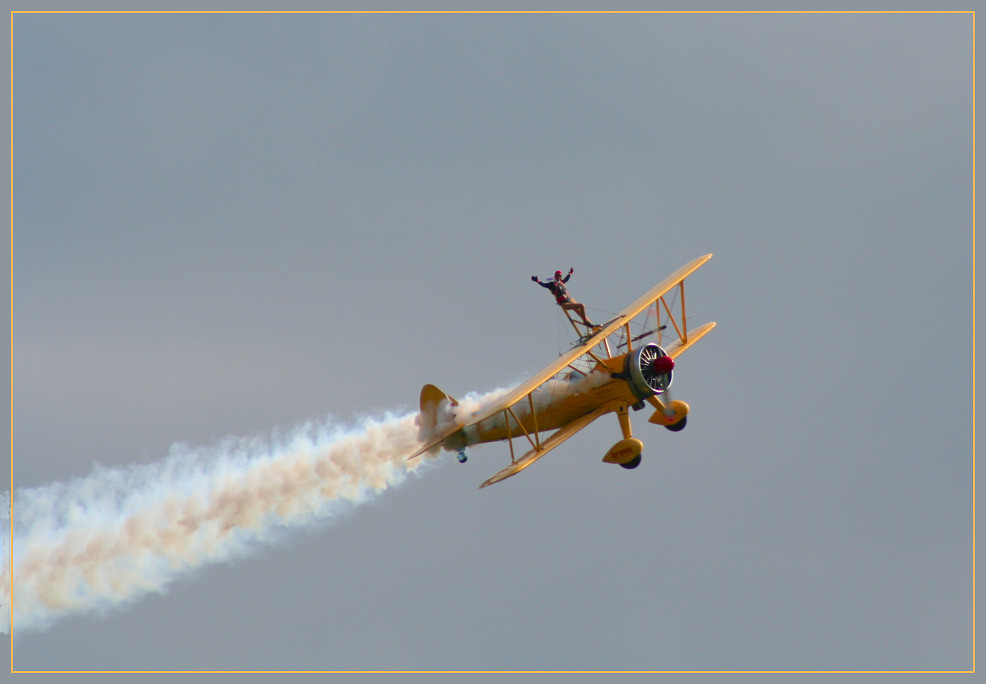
pixel 607 371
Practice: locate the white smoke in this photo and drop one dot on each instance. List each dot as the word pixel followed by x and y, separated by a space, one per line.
pixel 554 390
pixel 99 542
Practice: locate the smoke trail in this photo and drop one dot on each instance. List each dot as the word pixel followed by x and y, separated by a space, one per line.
pixel 104 540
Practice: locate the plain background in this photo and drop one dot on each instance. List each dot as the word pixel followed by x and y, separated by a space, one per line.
pixel 226 224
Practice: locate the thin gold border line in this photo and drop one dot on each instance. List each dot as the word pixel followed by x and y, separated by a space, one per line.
pixel 973 341
pixel 521 672
pixel 11 388
pixel 10 496
pixel 493 12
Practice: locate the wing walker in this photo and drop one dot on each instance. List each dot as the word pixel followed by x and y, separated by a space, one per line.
pixel 607 371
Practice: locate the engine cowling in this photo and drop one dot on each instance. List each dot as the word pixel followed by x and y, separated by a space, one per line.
pixel 649 369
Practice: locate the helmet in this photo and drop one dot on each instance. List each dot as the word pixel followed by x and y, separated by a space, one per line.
pixel 557 273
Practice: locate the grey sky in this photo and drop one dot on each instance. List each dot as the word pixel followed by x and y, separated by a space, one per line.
pixel 229 224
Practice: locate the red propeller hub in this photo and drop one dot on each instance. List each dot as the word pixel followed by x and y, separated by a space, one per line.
pixel 663 364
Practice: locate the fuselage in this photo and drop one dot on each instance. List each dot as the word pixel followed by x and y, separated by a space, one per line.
pixel 555 404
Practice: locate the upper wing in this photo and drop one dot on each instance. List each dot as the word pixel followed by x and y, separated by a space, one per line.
pixel 658 291
pixel 676 279
pixel 532 383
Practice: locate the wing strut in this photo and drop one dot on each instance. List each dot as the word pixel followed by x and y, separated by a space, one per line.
pixel 547 445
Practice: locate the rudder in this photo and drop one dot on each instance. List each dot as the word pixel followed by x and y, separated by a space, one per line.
pixel 431 399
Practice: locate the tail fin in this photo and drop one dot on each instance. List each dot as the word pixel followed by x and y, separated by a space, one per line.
pixel 431 400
